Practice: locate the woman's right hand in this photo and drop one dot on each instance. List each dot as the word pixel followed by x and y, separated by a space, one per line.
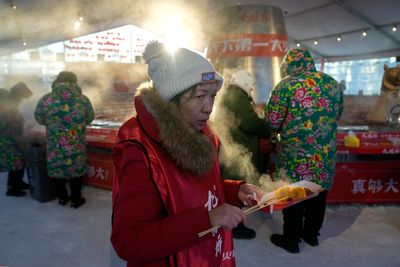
pixel 227 216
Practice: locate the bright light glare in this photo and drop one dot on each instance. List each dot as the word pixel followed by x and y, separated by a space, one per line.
pixel 174 32
pixel 77 25
pixel 175 25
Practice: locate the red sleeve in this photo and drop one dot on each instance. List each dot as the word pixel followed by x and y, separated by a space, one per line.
pixel 139 232
pixel 231 188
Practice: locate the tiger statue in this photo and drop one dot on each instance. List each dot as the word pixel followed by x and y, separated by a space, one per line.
pixel 389 97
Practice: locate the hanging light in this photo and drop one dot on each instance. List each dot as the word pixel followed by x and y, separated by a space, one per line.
pixel 14 7
pixel 298 44
pixel 364 33
pixel 394 28
pixel 339 38
pixel 77 25
pixel 315 42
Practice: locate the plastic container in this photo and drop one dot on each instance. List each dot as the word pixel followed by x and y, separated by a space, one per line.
pixel 41 186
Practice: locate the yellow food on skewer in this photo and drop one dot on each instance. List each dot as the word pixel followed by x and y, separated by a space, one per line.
pixel 283 192
pixel 280 195
pixel 293 193
pixel 297 193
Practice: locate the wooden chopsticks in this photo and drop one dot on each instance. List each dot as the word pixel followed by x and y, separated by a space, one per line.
pixel 249 211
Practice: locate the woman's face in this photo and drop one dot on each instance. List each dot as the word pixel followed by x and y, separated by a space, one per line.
pixel 196 107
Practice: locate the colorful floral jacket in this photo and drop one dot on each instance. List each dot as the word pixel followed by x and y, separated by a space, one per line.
pixel 304 107
pixel 65 112
pixel 11 135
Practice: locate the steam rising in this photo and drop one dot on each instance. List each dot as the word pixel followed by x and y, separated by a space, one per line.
pixel 233 155
pixel 44 22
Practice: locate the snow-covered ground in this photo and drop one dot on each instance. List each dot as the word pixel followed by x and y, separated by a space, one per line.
pixel 34 234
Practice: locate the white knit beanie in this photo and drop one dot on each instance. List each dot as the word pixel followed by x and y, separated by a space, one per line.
pixel 244 80
pixel 173 73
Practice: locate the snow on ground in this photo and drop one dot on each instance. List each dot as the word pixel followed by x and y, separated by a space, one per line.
pixel 34 234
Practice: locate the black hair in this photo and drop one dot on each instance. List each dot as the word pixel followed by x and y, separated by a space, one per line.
pixel 176 99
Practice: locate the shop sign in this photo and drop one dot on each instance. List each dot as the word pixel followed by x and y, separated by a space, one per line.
pixel 249 45
pixel 101 170
pixel 374 186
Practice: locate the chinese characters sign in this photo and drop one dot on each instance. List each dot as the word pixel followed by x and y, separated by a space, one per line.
pixel 101 170
pixel 366 182
pixel 253 45
pixel 374 186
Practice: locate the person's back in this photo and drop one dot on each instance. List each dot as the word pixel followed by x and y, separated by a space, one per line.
pixel 12 138
pixel 240 130
pixel 304 108
pixel 65 112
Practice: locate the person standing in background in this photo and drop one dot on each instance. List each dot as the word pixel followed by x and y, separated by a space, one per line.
pixel 240 129
pixel 304 108
pixel 66 112
pixel 12 144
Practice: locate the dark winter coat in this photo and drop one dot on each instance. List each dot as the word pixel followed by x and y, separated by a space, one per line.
pixel 240 130
pixel 11 134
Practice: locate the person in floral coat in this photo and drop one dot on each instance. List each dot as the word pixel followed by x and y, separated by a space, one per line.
pixel 304 108
pixel 65 112
pixel 12 139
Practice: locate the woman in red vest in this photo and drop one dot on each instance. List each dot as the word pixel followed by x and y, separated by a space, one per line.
pixel 168 186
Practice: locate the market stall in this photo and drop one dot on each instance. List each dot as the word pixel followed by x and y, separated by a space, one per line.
pixel 369 173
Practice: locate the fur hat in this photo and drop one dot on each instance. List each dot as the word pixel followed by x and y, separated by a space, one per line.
pixel 173 73
pixel 244 80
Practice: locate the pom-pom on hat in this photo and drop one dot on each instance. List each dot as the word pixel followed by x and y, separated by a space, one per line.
pixel 172 73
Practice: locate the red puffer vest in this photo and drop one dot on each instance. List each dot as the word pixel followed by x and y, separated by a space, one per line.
pixel 180 189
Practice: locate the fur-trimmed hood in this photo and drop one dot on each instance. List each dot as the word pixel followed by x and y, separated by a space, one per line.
pixel 162 122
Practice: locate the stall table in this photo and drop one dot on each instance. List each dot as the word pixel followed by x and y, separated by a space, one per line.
pixel 367 174
pixel 101 168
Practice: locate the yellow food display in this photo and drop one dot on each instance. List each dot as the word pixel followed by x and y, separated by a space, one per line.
pixel 351 141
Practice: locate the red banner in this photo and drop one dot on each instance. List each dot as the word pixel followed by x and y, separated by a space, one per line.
pixel 366 182
pixel 101 170
pixel 249 45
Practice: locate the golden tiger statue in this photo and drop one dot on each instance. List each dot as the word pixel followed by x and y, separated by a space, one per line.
pixel 389 97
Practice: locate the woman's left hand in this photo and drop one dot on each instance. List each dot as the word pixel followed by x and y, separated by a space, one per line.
pixel 249 194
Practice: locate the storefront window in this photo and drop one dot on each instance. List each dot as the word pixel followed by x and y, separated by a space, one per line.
pixel 361 77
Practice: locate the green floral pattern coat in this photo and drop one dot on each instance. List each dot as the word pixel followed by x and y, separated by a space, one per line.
pixel 11 135
pixel 304 107
pixel 65 112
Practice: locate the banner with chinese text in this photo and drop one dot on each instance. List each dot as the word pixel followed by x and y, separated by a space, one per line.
pixel 249 45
